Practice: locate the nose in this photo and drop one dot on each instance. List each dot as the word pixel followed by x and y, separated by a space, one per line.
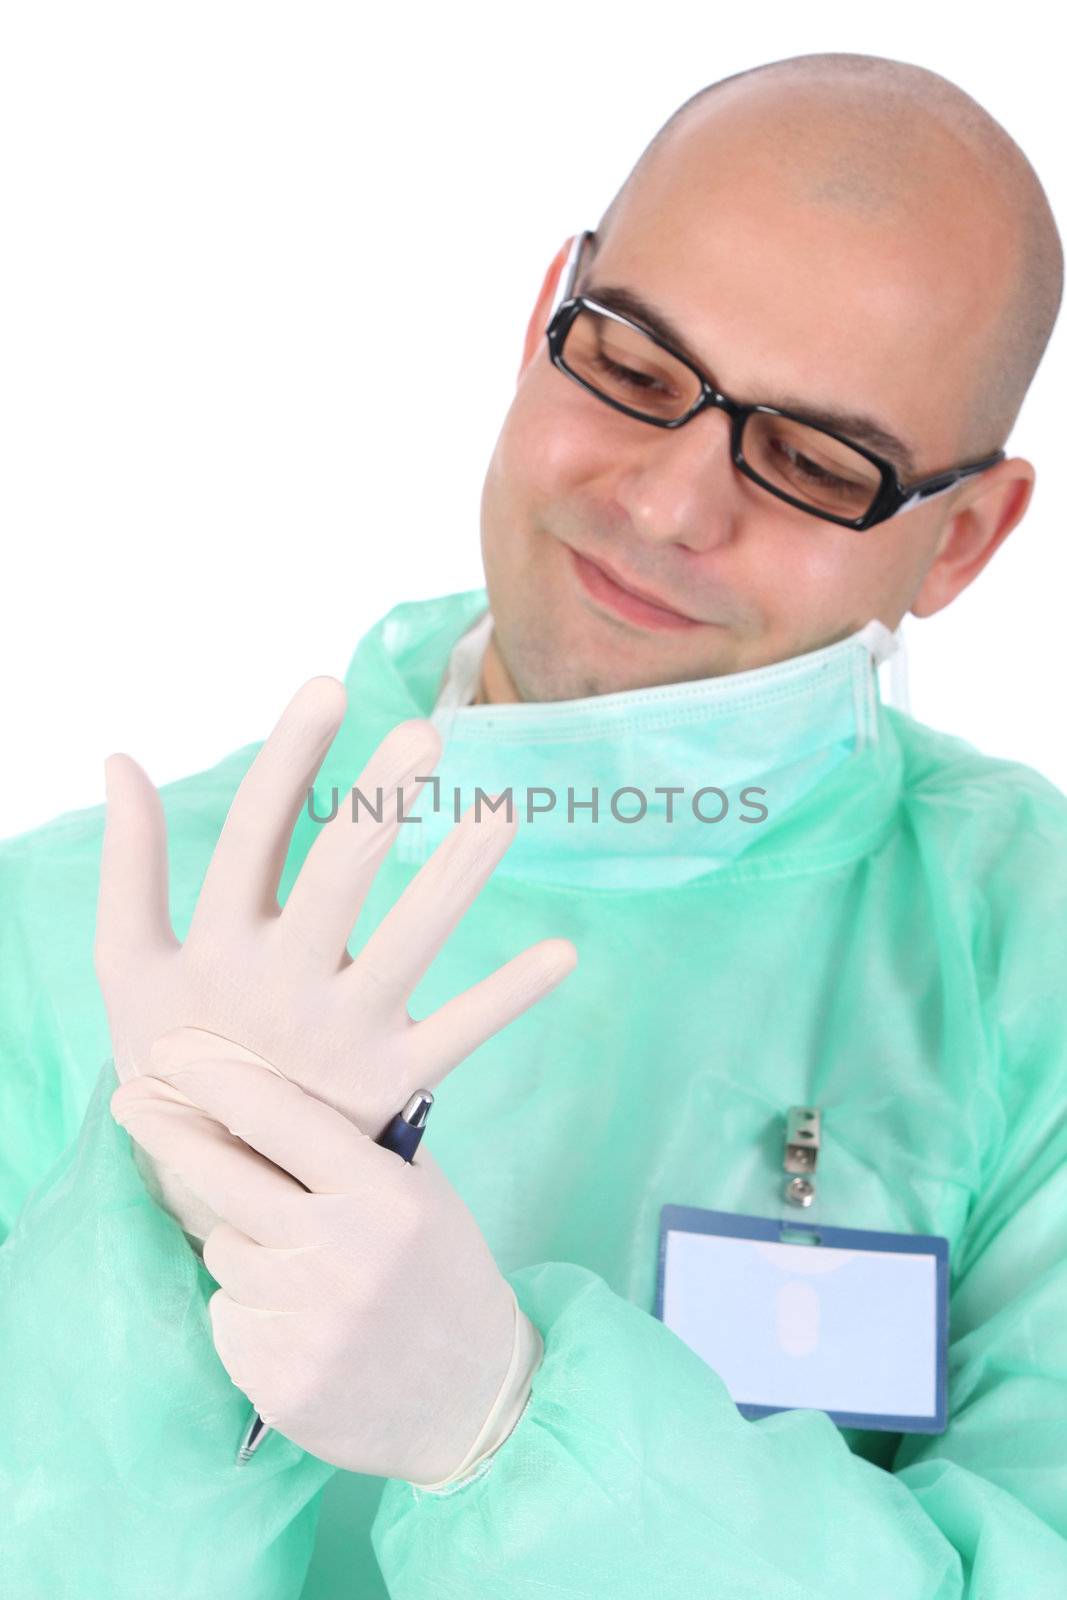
pixel 680 486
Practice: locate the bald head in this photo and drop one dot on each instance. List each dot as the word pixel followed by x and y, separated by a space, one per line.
pixel 900 148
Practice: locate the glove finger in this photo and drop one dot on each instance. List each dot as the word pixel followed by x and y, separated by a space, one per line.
pixel 324 902
pixel 241 882
pixel 446 1037
pixel 133 911
pixel 303 1136
pixel 238 1184
pixel 408 938
pixel 261 1277
pixel 252 1345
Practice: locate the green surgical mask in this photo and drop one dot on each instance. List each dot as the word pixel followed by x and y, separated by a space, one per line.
pixel 685 777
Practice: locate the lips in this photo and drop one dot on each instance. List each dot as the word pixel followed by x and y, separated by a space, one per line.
pixel 609 594
pixel 641 594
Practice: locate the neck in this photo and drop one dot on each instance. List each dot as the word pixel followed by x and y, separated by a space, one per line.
pixel 494 683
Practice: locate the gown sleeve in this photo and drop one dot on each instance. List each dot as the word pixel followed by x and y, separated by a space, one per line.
pixel 119 1426
pixel 631 1473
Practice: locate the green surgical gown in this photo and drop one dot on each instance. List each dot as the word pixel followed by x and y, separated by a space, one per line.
pixel 893 952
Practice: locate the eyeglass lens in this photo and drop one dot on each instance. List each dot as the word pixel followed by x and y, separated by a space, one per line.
pixel 626 366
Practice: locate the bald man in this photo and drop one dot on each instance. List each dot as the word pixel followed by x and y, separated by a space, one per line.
pixel 841 235
pixel 734 1261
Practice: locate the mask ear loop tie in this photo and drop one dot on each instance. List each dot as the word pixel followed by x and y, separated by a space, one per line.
pixel 899 687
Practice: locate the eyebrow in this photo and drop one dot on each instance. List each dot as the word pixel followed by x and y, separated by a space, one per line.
pixel 854 425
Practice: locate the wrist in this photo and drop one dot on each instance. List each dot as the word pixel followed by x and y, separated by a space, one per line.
pixel 512 1397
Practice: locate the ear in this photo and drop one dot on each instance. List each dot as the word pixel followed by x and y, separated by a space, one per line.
pixel 972 534
pixel 535 328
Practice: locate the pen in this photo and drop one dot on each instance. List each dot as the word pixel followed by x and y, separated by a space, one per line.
pixel 401 1136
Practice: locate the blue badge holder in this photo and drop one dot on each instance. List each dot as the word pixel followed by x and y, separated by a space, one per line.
pixel 865 1332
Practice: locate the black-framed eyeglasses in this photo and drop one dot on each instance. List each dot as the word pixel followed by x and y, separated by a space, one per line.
pixel 811 467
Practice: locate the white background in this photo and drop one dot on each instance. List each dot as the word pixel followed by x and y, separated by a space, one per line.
pixel 242 248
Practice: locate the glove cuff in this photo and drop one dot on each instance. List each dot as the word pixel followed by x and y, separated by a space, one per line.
pixel 526 1353
pixel 173 1195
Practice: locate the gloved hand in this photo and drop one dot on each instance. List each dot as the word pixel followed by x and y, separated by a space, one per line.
pixel 277 985
pixel 362 1314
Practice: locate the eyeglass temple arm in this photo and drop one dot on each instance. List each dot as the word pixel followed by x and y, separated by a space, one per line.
pixel 932 487
pixel 568 277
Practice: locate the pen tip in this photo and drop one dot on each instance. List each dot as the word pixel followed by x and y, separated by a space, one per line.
pixel 255 1436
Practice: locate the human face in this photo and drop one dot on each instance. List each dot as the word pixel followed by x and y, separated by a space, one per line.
pixel 782 300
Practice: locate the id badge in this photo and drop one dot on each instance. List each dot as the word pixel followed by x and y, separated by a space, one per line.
pixel 843 1320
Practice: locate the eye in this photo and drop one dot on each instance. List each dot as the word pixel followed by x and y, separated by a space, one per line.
pixel 643 381
pixel 804 467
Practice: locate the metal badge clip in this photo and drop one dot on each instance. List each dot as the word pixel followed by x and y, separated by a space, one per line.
pixel 801 1154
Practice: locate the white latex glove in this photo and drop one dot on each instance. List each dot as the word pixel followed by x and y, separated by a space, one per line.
pixel 363 1313
pixel 277 985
